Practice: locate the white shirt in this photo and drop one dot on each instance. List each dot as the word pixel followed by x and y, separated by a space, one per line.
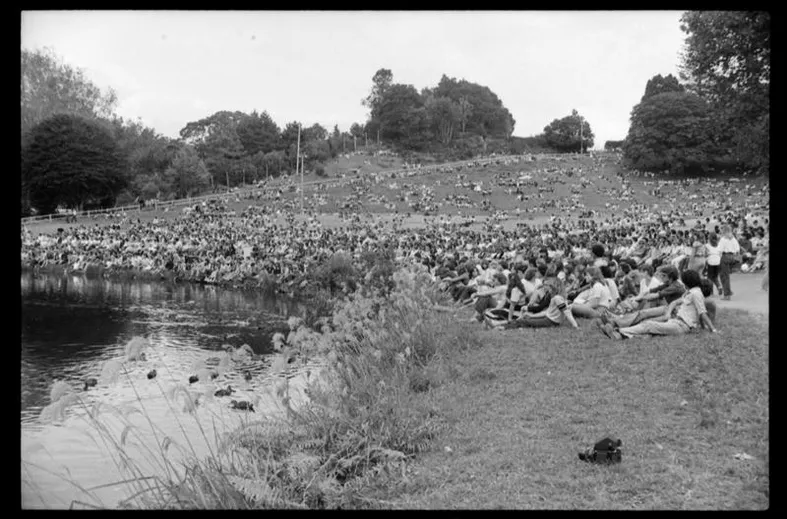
pixel 729 245
pixel 714 255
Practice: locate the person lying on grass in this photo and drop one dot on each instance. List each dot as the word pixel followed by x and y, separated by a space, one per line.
pixel 680 317
pixel 537 315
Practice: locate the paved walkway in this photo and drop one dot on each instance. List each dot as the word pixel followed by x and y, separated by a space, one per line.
pixel 747 294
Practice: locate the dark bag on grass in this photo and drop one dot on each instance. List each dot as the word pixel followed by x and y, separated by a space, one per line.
pixel 606 451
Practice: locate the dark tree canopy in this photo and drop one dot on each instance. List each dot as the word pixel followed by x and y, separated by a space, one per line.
pixel 49 87
pixel 659 84
pixel 569 134
pixel 405 117
pixel 258 133
pixel 727 62
pixel 72 161
pixel 670 131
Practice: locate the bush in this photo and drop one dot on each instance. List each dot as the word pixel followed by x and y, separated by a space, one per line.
pixel 125 198
pixel 337 274
pixel 320 170
pixel 365 416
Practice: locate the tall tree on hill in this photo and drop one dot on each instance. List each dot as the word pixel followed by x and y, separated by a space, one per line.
pixel 659 84
pixel 258 133
pixel 217 143
pixel 444 115
pixel 72 161
pixel 49 87
pixel 381 83
pixel 670 131
pixel 727 61
pixel 403 117
pixel 315 132
pixel 482 111
pixel 187 175
pixel 465 111
pixel 569 134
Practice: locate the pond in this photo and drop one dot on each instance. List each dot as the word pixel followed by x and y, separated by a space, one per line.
pixel 73 326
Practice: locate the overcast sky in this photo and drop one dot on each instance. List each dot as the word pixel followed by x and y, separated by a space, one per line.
pixel 172 67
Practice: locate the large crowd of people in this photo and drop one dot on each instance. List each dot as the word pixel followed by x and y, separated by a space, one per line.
pixel 599 264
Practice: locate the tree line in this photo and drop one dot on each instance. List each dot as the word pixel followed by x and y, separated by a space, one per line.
pixel 718 118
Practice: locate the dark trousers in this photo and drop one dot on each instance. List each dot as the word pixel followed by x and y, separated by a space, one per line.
pixel 713 275
pixel 724 273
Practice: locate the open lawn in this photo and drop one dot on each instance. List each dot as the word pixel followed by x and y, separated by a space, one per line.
pixel 521 407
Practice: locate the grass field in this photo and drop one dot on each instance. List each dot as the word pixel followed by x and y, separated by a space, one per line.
pixel 524 404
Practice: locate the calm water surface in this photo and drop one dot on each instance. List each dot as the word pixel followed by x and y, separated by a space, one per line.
pixel 72 326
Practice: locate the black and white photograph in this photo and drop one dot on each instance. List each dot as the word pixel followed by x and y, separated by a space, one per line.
pixel 395 260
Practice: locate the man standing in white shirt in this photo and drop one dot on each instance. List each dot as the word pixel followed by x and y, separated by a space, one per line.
pixel 729 247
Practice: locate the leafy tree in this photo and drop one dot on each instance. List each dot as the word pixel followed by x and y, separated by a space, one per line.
pixel 274 162
pixel 669 131
pixel 218 144
pixel 727 61
pixel 465 111
pixel 258 133
pixel 482 111
pixel 187 175
pixel 444 115
pixel 72 161
pixel 564 134
pixel 613 145
pixel 356 130
pixel 659 84
pixel 314 133
pixel 315 151
pixel 49 87
pixel 381 82
pixel 403 117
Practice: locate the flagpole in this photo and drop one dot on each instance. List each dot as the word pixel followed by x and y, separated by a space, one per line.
pixel 297 158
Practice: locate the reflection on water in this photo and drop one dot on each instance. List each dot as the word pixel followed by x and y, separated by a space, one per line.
pixel 72 326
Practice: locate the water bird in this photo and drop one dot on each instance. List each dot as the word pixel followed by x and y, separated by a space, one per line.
pixel 243 405
pixel 152 374
pixel 193 378
pixel 90 382
pixel 224 392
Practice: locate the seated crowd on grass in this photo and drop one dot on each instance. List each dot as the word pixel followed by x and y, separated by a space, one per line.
pixel 209 243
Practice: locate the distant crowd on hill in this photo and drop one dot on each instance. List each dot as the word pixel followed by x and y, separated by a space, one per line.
pixel 210 243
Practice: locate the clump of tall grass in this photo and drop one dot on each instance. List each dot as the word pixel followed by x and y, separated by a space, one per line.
pixel 337 274
pixel 364 418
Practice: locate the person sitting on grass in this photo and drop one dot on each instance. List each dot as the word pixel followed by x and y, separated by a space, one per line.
pixel 590 302
pixel 557 310
pixel 516 296
pixel 669 290
pixel 680 317
pixel 631 318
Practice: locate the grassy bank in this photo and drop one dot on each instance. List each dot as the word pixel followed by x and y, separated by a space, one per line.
pixel 527 401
